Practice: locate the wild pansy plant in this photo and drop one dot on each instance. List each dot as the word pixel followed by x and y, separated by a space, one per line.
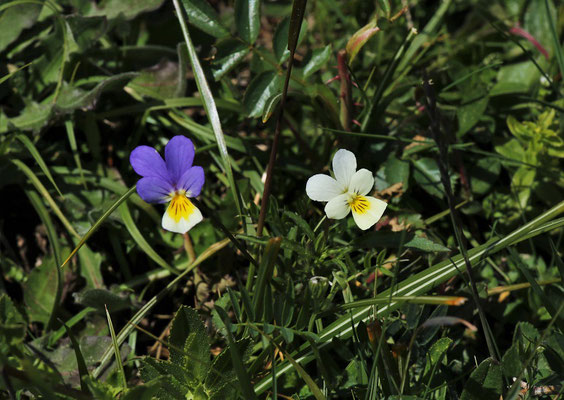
pixel 173 180
pixel 347 191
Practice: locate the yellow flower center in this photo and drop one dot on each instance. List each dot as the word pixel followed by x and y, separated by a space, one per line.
pixel 359 204
pixel 180 206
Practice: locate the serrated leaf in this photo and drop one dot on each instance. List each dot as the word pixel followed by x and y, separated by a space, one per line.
pixel 188 333
pixel 485 382
pixel 261 88
pixel 247 19
pixel 204 17
pixel 176 381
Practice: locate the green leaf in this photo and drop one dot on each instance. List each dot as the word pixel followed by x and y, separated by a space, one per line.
pixel 33 117
pixel 86 30
pixel 436 354
pixel 189 334
pixel 511 363
pixel 40 291
pixel 265 271
pixel 117 352
pixel 247 19
pixel 359 39
pixel 176 380
pixel 512 150
pixel 317 60
pixel 280 40
pixel 428 176
pixel 260 90
pixel 90 266
pixel 485 382
pixel 111 9
pixel 230 52
pixel 15 19
pixel 469 114
pixel 516 78
pixel 72 98
pixel 82 370
pixel 522 182
pixel 204 17
pixel 12 325
pixel 147 391
pixel 98 298
pixel 484 172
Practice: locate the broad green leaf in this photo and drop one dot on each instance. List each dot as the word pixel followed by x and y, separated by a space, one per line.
pixel 516 78
pixel 230 52
pixel 260 90
pixel 428 176
pixel 511 149
pixel 33 117
pixel 40 291
pixel 317 60
pixel 98 298
pixel 160 81
pixel 204 17
pixel 522 183
pixel 188 334
pixel 511 363
pixel 90 266
pixel 484 173
pixel 485 382
pixel 359 39
pixel 86 30
pixel 72 98
pixel 280 40
pixel 469 114
pixel 111 9
pixel 247 19
pixel 15 19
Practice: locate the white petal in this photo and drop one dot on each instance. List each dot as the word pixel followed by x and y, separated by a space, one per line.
pixel 372 214
pixel 323 188
pixel 184 224
pixel 338 207
pixel 361 182
pixel 344 166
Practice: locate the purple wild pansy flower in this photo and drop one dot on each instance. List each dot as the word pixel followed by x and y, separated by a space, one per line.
pixel 173 180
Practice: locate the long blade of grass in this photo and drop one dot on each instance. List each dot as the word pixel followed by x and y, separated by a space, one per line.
pixel 209 106
pixel 555 39
pixel 116 350
pixel 9 75
pixel 74 148
pixel 141 241
pixel 445 300
pixel 38 159
pixel 98 223
pixel 416 285
pixel 43 191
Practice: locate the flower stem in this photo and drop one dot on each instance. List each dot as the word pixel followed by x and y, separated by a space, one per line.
pixel 189 248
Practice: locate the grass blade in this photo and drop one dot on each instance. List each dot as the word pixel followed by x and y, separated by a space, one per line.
pixel 43 191
pixel 98 223
pixel 116 350
pixel 72 142
pixel 82 370
pixel 210 107
pixel 38 159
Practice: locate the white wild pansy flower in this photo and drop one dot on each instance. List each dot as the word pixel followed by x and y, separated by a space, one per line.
pixel 347 192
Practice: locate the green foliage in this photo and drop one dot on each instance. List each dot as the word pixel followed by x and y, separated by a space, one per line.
pixel 313 307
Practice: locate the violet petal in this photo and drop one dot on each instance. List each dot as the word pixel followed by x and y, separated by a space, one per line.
pixel 192 181
pixel 146 161
pixel 179 155
pixel 154 190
